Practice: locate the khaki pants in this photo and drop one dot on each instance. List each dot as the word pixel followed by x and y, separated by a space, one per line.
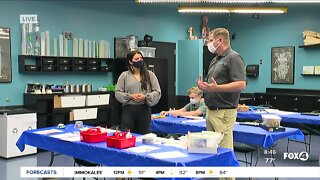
pixel 222 121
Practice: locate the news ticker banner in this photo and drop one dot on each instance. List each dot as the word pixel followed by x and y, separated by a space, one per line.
pixel 169 172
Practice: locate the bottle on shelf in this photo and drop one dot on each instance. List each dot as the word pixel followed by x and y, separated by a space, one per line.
pixel 29 39
pixel 37 43
pixel 23 39
pixel 37 46
pixel 0 62
pixel 29 45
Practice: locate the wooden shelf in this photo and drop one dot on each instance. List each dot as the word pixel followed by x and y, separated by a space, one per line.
pixel 51 64
pixel 310 74
pixel 310 46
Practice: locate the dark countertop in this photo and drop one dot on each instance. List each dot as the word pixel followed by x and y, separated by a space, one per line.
pixel 15 110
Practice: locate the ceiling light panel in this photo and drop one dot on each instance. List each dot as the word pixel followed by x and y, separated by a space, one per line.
pixel 242 10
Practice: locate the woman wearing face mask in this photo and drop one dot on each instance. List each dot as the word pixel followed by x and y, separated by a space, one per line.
pixel 195 107
pixel 137 89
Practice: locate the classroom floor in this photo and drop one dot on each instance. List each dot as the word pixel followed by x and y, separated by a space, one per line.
pixel 10 169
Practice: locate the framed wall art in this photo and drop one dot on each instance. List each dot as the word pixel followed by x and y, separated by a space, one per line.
pixel 5 55
pixel 282 65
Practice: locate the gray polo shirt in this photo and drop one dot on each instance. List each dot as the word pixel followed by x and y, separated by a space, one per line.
pixel 229 67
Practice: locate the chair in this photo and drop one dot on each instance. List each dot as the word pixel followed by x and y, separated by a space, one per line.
pixel 81 162
pixel 244 148
pixel 306 142
pixel 307 131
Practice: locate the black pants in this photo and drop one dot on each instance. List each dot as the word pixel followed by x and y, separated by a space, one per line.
pixel 137 118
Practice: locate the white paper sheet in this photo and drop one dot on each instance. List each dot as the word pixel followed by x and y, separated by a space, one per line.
pixel 168 155
pixel 49 131
pixel 68 136
pixel 193 117
pixel 276 111
pixel 285 113
pixel 193 121
pixel 142 149
pixel 272 110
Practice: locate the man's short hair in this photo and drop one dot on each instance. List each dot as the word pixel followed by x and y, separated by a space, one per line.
pixel 221 32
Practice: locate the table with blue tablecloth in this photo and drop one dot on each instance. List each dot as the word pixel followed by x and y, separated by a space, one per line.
pixel 309 123
pixel 101 154
pixel 296 118
pixel 241 133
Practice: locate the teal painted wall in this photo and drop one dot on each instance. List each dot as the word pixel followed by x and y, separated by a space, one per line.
pixel 189 65
pixel 96 20
pixel 255 37
pixel 93 20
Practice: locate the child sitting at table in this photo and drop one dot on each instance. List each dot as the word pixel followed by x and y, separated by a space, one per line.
pixel 196 106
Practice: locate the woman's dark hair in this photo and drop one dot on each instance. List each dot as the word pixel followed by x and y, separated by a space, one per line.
pixel 144 73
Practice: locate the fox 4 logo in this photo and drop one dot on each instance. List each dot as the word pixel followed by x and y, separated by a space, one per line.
pixel 303 156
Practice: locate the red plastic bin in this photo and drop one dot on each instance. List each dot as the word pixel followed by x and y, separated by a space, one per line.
pixel 93 135
pixel 120 142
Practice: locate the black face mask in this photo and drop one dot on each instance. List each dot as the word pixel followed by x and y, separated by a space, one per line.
pixel 138 64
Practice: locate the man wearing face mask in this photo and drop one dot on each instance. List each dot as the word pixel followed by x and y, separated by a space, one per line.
pixel 196 106
pixel 225 81
pixel 137 89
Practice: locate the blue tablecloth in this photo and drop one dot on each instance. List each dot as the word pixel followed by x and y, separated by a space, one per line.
pixel 241 133
pixel 101 154
pixel 296 118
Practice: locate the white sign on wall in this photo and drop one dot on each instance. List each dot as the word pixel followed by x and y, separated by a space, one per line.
pixel 28 18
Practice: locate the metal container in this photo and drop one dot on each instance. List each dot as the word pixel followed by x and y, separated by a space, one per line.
pixel 67 88
pixel 72 88
pixel 83 88
pixel 89 87
pixel 77 88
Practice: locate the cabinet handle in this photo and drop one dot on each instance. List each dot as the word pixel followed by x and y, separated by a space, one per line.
pixel 15 131
pixel 275 97
pixel 295 99
pixel 261 97
pixel 318 100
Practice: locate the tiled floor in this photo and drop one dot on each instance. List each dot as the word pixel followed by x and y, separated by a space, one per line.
pixel 10 169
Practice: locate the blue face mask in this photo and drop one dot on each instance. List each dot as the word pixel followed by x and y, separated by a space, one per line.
pixel 138 64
